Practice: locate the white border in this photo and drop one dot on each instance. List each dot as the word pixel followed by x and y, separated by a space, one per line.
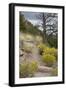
pixel 38 79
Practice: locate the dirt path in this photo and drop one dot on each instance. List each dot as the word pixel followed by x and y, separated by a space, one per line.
pixel 42 74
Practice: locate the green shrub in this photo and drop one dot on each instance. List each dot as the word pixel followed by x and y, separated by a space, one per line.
pixel 23 70
pixel 28 69
pixel 48 59
pixel 54 72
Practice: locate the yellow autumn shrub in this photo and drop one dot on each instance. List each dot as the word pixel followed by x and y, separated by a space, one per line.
pixel 41 48
pixel 33 67
pixel 48 59
pixel 51 51
pixel 28 69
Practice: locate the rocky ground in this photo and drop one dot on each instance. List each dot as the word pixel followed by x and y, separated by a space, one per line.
pixel 43 70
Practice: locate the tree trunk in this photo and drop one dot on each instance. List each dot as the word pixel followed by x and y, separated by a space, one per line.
pixel 44 29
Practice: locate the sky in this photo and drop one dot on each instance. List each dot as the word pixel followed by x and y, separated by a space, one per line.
pixel 32 17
